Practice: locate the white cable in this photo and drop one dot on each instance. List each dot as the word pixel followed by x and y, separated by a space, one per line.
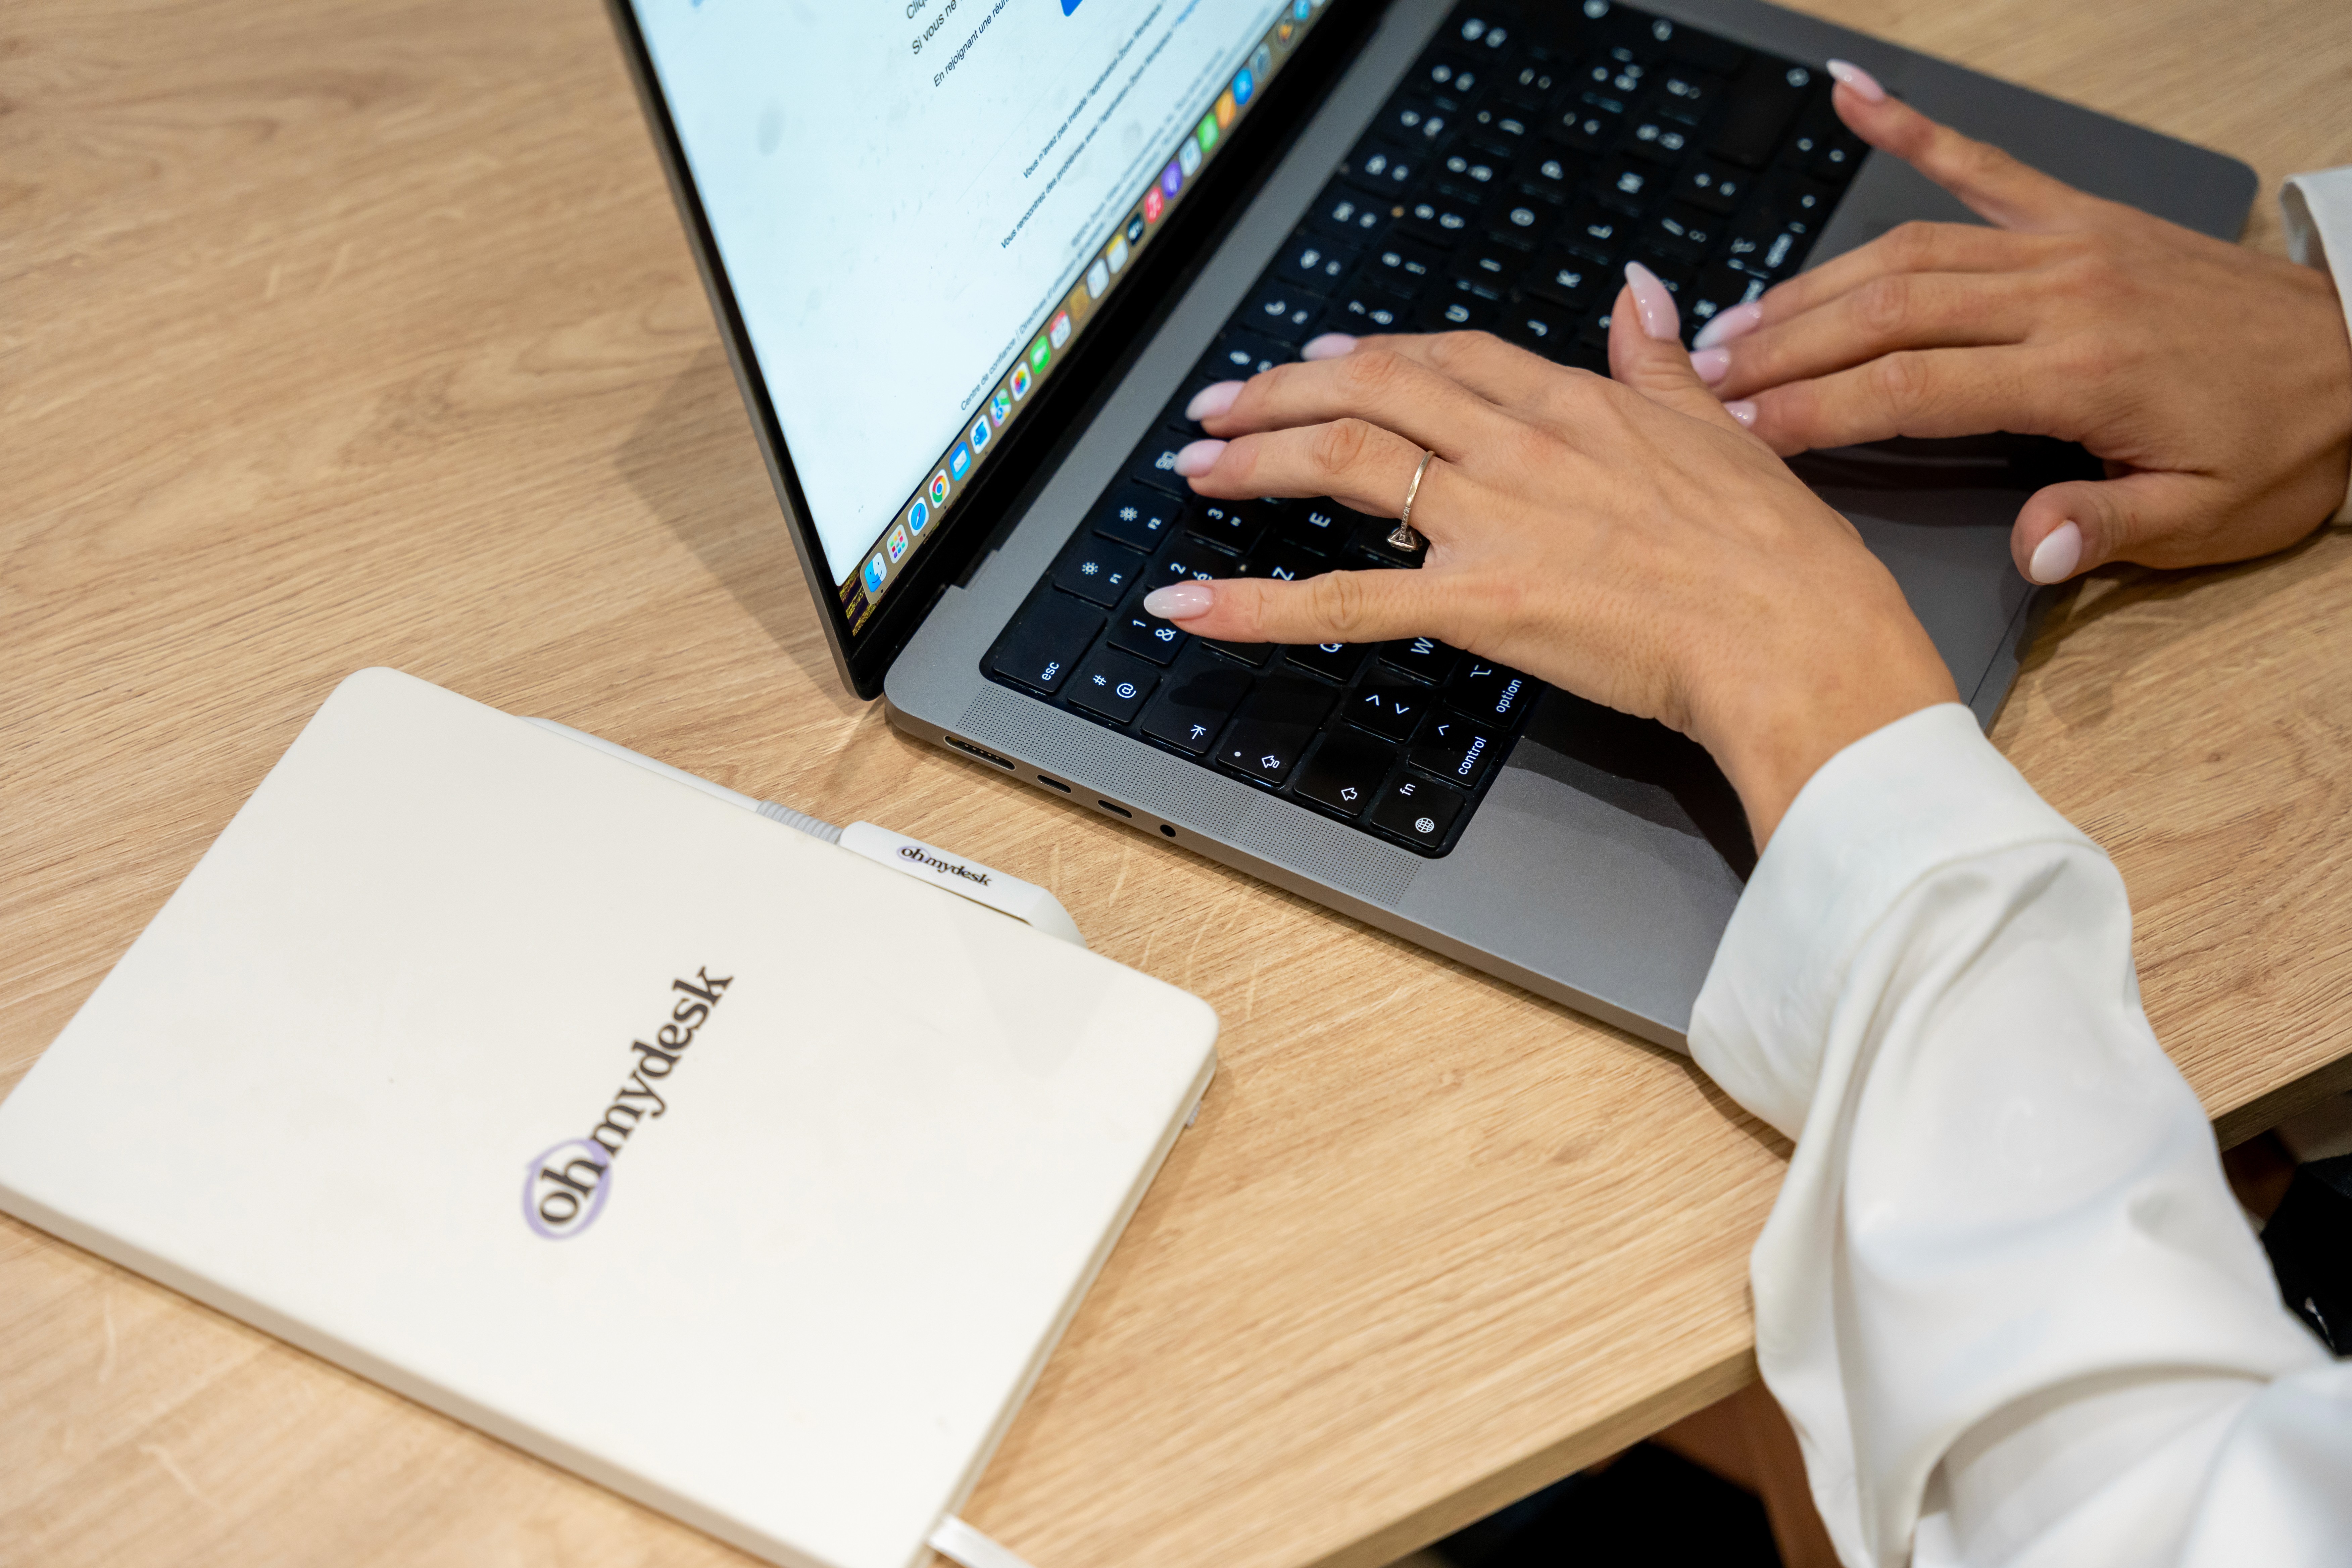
pixel 966 878
pixel 959 1542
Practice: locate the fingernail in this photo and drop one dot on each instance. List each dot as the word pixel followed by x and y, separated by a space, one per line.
pixel 1178 601
pixel 1743 411
pixel 1330 345
pixel 1712 364
pixel 2055 557
pixel 1737 322
pixel 1656 306
pixel 1211 401
pixel 1866 86
pixel 1199 457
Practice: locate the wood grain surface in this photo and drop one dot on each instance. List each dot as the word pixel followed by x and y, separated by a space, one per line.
pixel 360 331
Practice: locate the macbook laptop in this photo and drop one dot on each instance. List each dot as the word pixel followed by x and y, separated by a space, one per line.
pixel 971 258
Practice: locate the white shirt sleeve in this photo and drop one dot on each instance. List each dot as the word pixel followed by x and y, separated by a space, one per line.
pixel 2005 1296
pixel 2318 212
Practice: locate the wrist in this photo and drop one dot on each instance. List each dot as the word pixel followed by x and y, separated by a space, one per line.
pixel 1771 722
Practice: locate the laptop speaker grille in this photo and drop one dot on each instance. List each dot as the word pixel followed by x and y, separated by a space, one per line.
pixel 1191 796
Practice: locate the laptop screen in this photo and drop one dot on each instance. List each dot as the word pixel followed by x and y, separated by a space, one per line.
pixel 918 203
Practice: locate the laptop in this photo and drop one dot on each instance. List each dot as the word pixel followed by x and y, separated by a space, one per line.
pixel 971 261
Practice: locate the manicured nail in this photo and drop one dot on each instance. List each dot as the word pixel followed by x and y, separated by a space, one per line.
pixel 1743 411
pixel 2055 557
pixel 1737 322
pixel 1199 457
pixel 1211 401
pixel 1865 85
pixel 1330 345
pixel 1178 601
pixel 1712 364
pixel 1651 301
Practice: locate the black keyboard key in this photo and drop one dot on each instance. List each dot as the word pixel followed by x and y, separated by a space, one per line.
pixel 1362 308
pixel 1795 198
pixel 1113 684
pixel 1393 710
pixel 1338 660
pixel 1523 219
pixel 1146 636
pixel 1455 749
pixel 1448 79
pixel 1347 771
pixel 1597 233
pixel 1564 277
pixel 1317 262
pixel 1552 173
pixel 1658 139
pixel 1438 221
pixel 1414 122
pixel 1195 702
pixel 1139 516
pixel 1381 170
pixel 1767 246
pixel 1458 311
pixel 1720 57
pixel 1283 312
pixel 1242 353
pixel 1234 525
pixel 1470 173
pixel 1718 187
pixel 1585 127
pixel 1426 657
pixel 1191 561
pixel 1418 811
pixel 1612 83
pixel 1686 234
pixel 1321 526
pixel 1530 87
pixel 1489 267
pixel 1155 463
pixel 1344 213
pixel 1718 289
pixel 1286 563
pixel 1040 647
pixel 1685 95
pixel 1274 726
pixel 1538 324
pixel 1759 107
pixel 1493 693
pixel 1501 129
pixel 1099 571
pixel 1628 182
pixel 1256 655
pixel 1402 268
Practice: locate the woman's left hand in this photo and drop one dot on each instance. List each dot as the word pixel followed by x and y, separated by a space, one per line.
pixel 1624 539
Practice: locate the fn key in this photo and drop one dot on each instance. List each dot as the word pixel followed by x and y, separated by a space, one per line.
pixel 1417 810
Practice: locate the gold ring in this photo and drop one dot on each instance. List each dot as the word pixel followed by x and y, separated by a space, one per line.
pixel 1403 537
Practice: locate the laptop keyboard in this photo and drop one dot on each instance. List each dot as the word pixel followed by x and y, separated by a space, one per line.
pixel 1521 162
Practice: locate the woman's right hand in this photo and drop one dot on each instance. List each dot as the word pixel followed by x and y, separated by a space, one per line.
pixel 2215 381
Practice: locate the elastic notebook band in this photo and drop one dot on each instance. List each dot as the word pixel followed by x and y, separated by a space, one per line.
pixel 959 1542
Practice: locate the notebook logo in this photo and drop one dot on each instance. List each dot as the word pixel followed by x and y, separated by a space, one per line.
pixel 564 1187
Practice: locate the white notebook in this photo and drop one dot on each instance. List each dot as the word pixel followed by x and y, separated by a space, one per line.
pixel 679 1148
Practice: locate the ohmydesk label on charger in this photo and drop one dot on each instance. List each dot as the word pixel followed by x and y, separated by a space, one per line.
pixel 564 1187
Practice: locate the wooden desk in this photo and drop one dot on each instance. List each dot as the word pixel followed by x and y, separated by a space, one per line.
pixel 355 331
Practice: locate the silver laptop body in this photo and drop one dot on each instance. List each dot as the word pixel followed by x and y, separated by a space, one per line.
pixel 1604 859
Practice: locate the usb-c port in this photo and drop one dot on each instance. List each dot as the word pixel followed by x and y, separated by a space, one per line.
pixel 1057 783
pixel 1116 810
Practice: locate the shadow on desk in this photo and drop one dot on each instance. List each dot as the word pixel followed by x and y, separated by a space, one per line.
pixel 693 461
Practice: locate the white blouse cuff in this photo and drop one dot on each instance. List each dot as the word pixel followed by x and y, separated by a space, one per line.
pixel 2317 208
pixel 1921 794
